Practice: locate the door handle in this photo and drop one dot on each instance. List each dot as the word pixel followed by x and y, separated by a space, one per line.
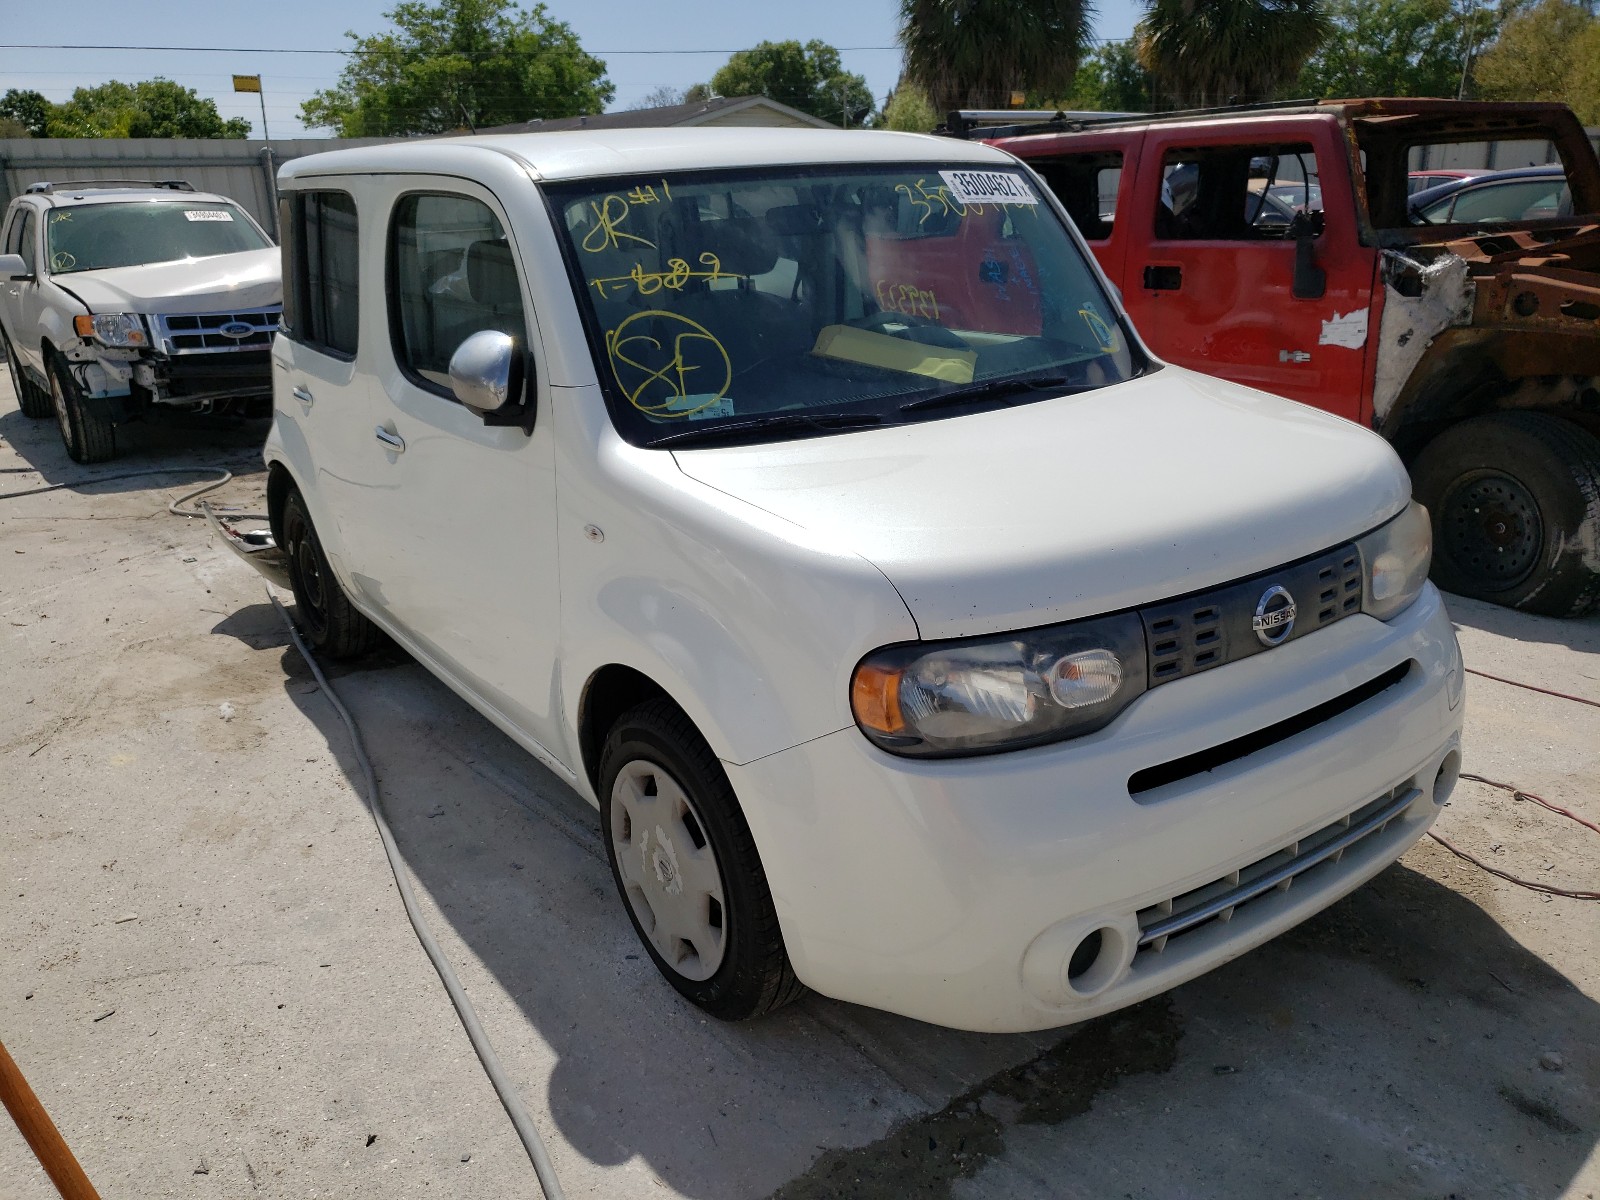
pixel 303 394
pixel 1163 279
pixel 390 439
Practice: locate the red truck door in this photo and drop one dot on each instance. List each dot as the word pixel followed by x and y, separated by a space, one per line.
pixel 1209 274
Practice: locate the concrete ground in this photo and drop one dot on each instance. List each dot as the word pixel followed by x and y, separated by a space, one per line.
pixel 207 976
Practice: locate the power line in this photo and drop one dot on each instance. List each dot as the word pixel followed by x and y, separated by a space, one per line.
pixel 279 50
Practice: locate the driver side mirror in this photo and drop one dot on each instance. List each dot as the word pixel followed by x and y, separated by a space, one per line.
pixel 488 376
pixel 1310 280
pixel 12 267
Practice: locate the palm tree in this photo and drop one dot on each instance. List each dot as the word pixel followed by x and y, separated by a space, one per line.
pixel 1205 52
pixel 976 53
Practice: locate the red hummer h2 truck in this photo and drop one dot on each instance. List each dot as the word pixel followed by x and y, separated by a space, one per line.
pixel 1274 246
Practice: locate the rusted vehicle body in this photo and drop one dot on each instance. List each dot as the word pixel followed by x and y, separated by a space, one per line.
pixel 1474 349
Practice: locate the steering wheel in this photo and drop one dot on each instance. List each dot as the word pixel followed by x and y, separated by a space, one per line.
pixel 931 332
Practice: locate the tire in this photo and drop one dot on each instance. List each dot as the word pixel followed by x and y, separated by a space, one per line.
pixel 716 937
pixel 329 621
pixel 88 434
pixel 1515 499
pixel 31 398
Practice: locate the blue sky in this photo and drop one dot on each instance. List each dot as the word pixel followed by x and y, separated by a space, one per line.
pixel 708 28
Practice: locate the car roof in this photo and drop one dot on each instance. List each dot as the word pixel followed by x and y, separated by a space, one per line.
pixel 119 195
pixel 1451 187
pixel 581 154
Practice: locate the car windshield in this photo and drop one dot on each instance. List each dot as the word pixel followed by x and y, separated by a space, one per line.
pixel 92 237
pixel 746 306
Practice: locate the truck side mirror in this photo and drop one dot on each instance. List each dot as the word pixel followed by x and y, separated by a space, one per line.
pixel 488 376
pixel 1310 280
pixel 12 267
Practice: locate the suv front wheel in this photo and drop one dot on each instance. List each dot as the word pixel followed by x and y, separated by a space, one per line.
pixel 87 432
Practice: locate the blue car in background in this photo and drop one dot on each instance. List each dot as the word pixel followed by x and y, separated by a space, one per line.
pixel 1523 194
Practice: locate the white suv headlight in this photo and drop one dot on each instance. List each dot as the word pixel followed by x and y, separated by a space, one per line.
pixel 1395 560
pixel 112 329
pixel 986 694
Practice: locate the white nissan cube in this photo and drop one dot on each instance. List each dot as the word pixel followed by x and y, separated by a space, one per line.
pixel 806 501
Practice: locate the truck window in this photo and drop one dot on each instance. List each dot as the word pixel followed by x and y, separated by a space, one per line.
pixel 1086 185
pixel 21 240
pixel 1235 193
pixel 453 274
pixel 322 298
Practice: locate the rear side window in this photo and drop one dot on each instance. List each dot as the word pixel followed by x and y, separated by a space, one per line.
pixel 1086 185
pixel 451 274
pixel 322 298
pixel 1235 193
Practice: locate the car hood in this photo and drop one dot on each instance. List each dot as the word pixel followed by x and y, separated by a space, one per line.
pixel 223 282
pixel 1077 505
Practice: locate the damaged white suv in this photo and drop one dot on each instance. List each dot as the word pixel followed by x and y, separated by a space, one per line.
pixel 121 299
pixel 806 501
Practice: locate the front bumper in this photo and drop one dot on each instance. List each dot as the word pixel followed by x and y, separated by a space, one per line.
pixel 958 891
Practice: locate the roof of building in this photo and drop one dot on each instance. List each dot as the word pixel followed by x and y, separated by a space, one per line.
pixel 666 117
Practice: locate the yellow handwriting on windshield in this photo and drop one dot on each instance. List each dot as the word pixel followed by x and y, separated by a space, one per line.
pixel 907 299
pixel 646 194
pixel 1104 336
pixel 60 215
pixel 938 200
pixel 671 359
pixel 606 234
pixel 678 272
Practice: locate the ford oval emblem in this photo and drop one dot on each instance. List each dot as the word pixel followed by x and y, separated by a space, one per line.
pixel 1274 619
pixel 237 330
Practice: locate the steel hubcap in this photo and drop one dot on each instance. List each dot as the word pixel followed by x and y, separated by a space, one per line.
pixel 669 869
pixel 1493 530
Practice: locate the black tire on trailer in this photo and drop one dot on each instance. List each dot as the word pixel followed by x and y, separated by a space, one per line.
pixel 88 434
pixel 31 398
pixel 327 618
pixel 1515 500
pixel 687 868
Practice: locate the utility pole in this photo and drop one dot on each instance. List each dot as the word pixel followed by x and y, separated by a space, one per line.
pixel 1468 11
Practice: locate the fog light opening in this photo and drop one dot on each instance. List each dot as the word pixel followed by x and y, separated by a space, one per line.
pixel 1096 962
pixel 1445 781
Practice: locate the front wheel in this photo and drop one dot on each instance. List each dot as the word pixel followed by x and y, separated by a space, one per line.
pixel 1515 499
pixel 687 868
pixel 86 431
pixel 330 622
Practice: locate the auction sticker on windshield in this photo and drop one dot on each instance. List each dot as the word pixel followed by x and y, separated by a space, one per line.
pixel 988 187
pixel 207 214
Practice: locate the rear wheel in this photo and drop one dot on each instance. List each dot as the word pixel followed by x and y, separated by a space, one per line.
pixel 1515 499
pixel 687 868
pixel 330 622
pixel 31 398
pixel 85 430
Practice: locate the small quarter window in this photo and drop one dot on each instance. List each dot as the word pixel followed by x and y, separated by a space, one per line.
pixel 322 296
pixel 452 273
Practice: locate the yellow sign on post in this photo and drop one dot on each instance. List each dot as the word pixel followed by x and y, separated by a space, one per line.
pixel 252 83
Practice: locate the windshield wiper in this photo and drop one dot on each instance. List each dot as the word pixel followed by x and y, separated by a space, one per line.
pixel 993 388
pixel 768 424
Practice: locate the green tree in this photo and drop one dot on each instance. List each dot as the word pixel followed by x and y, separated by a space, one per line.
pixel 30 110
pixel 1389 48
pixel 1536 56
pixel 976 53
pixel 477 62
pixel 1583 83
pixel 908 110
pixel 1207 52
pixel 152 108
pixel 1110 79
pixel 809 77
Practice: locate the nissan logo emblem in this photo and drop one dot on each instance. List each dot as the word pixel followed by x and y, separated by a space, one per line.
pixel 1274 619
pixel 237 330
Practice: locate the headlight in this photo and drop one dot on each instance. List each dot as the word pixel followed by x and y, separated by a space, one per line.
pixel 1394 563
pixel 1000 693
pixel 112 329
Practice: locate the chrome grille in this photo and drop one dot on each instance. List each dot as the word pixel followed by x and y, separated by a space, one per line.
pixel 201 333
pixel 1220 899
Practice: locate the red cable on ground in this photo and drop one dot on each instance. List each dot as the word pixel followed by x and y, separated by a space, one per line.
pixel 1519 794
pixel 1530 687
